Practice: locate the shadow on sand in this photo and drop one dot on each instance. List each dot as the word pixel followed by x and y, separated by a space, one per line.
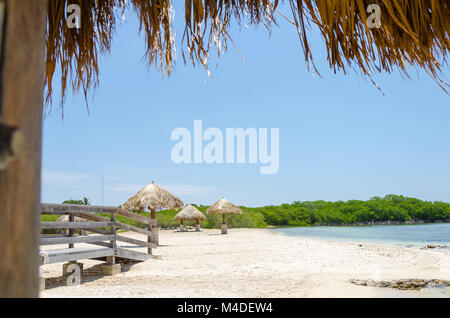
pixel 88 275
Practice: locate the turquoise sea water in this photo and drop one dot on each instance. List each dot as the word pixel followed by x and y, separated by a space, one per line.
pixel 419 235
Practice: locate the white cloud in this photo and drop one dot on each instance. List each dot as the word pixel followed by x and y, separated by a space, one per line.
pixel 62 177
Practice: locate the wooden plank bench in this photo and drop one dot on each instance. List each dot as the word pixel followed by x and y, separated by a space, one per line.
pixel 74 254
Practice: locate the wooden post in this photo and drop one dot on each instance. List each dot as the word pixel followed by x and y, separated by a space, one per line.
pixel 111 268
pixel 71 231
pixel 149 239
pixel 21 100
pixel 71 245
pixel 155 228
pixel 41 284
pixel 113 243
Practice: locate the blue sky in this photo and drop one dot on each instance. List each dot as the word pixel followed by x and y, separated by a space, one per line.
pixel 340 138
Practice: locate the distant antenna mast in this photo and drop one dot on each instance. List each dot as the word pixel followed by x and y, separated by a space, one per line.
pixel 102 191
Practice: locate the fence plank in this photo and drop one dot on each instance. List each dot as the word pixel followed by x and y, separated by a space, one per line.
pixel 134 229
pixel 67 212
pixel 124 238
pixel 74 225
pixel 118 224
pixel 138 256
pixel 136 217
pixel 135 242
pixel 98 231
pixel 92 217
pixel 71 208
pixel 72 240
pixel 100 244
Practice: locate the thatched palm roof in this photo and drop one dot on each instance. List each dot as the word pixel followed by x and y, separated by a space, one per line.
pixel 153 197
pixel 190 212
pixel 412 33
pixel 223 206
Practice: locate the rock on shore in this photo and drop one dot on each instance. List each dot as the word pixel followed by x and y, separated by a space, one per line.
pixel 402 284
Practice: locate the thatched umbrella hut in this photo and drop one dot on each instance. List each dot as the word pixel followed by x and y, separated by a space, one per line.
pixel 223 206
pixel 190 212
pixel 153 197
pixel 417 36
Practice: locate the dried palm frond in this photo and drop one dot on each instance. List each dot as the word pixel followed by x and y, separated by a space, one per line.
pixel 75 51
pixel 155 20
pixel 223 206
pixel 154 198
pixel 412 33
pixel 208 21
pixel 190 212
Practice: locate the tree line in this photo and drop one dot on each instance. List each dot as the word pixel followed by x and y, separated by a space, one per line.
pixel 377 210
pixel 389 209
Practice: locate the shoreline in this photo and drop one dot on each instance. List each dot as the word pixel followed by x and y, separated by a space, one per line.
pixel 363 224
pixel 259 263
pixel 419 222
pixel 410 222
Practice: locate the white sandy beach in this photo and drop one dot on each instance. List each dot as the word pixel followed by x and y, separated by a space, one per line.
pixel 257 263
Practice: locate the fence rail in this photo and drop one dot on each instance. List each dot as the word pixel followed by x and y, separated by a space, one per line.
pixel 75 225
pixel 50 208
pixel 105 233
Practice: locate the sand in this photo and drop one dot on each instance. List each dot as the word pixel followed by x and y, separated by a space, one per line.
pixel 255 263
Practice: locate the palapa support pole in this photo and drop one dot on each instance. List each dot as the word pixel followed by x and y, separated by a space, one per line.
pixel 153 214
pixel 22 46
pixel 181 226
pixel 197 226
pixel 224 225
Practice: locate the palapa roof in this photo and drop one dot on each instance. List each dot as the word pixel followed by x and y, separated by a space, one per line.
pixel 190 212
pixel 412 33
pixel 153 196
pixel 223 206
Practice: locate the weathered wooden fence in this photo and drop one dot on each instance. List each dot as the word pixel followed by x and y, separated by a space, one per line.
pixel 105 234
